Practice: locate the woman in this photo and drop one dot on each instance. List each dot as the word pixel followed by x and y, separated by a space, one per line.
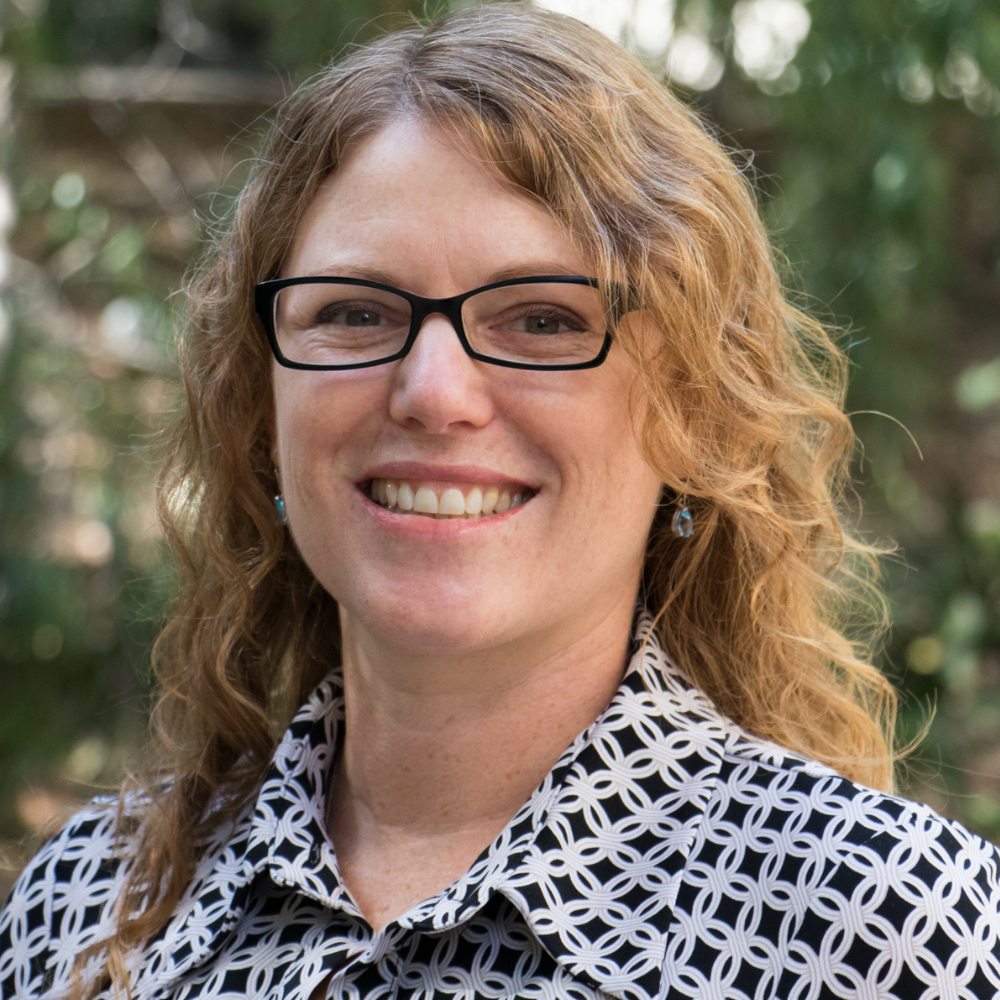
pixel 522 407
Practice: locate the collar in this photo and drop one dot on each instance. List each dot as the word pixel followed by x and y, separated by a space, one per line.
pixel 593 860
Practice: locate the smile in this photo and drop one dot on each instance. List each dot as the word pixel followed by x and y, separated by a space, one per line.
pixel 406 496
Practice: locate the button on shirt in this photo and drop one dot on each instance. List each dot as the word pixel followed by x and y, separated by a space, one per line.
pixel 668 855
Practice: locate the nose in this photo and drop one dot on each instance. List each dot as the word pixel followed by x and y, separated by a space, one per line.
pixel 437 387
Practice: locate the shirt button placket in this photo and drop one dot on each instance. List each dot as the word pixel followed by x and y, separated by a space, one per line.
pixel 378 976
pixel 392 973
pixel 391 961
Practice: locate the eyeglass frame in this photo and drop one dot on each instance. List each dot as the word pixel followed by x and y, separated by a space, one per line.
pixel 421 307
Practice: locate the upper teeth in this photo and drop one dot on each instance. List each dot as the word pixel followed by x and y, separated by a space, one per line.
pixel 422 498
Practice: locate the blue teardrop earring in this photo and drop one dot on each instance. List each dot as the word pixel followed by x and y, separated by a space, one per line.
pixel 279 503
pixel 682 523
pixel 279 506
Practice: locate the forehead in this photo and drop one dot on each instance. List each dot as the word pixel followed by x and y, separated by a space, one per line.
pixel 422 208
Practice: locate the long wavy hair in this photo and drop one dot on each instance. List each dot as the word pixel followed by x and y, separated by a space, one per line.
pixel 744 420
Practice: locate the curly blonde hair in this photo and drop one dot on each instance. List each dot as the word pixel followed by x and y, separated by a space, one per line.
pixel 744 420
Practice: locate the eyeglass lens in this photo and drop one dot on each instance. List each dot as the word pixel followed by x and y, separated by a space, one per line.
pixel 534 323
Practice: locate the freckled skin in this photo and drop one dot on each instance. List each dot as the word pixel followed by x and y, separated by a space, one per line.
pixel 471 660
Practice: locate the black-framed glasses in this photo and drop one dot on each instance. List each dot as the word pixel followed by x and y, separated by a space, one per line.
pixel 547 322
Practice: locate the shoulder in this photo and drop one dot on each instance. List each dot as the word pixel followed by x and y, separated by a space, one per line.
pixel 847 883
pixel 806 800
pixel 61 903
pixel 790 847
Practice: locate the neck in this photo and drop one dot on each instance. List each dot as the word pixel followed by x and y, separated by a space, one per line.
pixel 441 750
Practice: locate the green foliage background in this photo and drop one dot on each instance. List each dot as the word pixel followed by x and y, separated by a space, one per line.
pixel 876 155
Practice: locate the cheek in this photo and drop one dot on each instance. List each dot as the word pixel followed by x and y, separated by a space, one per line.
pixel 319 413
pixel 632 487
pixel 593 435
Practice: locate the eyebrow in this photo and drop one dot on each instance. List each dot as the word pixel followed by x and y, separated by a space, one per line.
pixel 526 270
pixel 530 270
pixel 366 273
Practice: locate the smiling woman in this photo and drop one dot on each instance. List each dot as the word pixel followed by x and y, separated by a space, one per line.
pixel 512 485
pixel 439 424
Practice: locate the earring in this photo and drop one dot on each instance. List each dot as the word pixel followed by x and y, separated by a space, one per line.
pixel 279 501
pixel 682 524
pixel 279 506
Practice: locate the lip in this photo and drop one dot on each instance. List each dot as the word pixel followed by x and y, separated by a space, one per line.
pixel 445 474
pixel 431 527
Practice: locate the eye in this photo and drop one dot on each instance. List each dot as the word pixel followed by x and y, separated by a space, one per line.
pixel 543 320
pixel 541 324
pixel 354 314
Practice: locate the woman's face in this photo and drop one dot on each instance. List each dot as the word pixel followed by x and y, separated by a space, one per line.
pixel 413 210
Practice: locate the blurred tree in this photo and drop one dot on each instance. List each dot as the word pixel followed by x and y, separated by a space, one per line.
pixel 874 135
pixel 877 144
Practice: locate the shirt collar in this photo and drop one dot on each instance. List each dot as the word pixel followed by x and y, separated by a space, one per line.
pixel 593 860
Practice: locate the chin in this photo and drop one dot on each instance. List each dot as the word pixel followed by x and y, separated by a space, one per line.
pixel 444 619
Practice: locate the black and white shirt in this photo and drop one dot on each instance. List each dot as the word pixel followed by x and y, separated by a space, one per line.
pixel 668 854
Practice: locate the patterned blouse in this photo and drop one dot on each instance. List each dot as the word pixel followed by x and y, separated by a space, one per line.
pixel 668 854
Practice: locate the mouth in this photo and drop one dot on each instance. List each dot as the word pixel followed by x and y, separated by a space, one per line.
pixel 431 499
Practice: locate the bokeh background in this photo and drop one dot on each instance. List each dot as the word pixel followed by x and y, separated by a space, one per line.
pixel 871 129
